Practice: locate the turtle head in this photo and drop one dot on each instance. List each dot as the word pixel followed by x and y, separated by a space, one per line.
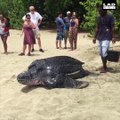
pixel 27 79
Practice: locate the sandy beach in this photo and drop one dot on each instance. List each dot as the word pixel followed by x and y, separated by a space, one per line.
pixel 99 101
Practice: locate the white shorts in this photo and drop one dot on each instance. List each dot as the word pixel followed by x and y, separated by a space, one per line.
pixel 103 46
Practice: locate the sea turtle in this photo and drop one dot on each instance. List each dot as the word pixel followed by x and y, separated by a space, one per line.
pixel 54 72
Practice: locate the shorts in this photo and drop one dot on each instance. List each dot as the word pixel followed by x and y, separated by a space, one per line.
pixel 6 34
pixel 59 35
pixel 36 33
pixel 103 47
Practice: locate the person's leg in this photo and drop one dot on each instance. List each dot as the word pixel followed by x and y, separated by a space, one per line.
pixel 75 40
pixel 4 40
pixel 32 48
pixel 71 44
pixel 35 36
pixel 104 62
pixel 65 38
pixel 39 41
pixel 60 44
pixel 104 48
pixel 24 48
pixel 39 45
pixel 29 50
pixel 71 39
pixel 57 44
pixel 23 51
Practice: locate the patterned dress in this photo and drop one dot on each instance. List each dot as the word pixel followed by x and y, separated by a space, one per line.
pixel 73 31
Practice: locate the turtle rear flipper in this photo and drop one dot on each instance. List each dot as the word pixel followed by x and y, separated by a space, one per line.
pixel 81 84
pixel 63 81
pixel 71 83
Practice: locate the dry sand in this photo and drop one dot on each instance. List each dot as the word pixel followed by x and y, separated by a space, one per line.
pixel 99 101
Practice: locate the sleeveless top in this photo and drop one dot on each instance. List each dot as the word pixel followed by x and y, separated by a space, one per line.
pixel 72 23
pixel 2 27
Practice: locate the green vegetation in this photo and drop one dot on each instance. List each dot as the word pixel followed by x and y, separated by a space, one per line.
pixel 15 9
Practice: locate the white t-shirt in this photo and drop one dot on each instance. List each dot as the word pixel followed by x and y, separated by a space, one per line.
pixel 34 18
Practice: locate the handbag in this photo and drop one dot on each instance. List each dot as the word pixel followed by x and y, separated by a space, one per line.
pixel 113 56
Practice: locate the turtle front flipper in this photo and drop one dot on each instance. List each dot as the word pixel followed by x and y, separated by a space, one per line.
pixel 63 81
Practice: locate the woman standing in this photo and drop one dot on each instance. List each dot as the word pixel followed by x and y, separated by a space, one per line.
pixel 73 31
pixel 4 31
pixel 29 37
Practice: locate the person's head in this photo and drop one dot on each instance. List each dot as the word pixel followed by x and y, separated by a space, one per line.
pixel 1 17
pixel 32 9
pixel 28 17
pixel 101 11
pixel 60 14
pixel 74 15
pixel 68 13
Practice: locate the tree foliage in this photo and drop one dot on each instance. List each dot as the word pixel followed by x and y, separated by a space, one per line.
pixel 91 13
pixel 15 9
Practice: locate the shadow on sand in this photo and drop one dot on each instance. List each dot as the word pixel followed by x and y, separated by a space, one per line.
pixel 27 89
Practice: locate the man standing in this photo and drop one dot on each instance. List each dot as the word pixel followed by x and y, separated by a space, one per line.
pixel 104 34
pixel 36 18
pixel 60 25
pixel 66 28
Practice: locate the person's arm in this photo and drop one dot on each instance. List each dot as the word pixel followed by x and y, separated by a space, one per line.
pixel 112 30
pixel 62 22
pixel 76 23
pixel 23 18
pixel 22 29
pixel 96 32
pixel 32 25
pixel 39 19
pixel 113 38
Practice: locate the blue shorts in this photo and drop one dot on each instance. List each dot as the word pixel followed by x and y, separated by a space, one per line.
pixel 103 47
pixel 60 35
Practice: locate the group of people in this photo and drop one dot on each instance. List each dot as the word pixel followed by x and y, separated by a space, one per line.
pixel 32 21
pixel 67 27
pixel 30 29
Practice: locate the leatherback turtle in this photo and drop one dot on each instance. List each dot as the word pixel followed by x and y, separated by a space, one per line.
pixel 54 72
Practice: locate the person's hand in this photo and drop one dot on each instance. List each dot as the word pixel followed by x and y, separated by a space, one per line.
pixel 113 40
pixel 94 40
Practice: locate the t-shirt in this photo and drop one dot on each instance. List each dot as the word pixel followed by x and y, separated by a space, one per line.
pixel 105 25
pixel 60 24
pixel 34 18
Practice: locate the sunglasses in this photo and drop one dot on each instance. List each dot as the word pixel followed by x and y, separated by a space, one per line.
pixel 32 10
pixel 28 18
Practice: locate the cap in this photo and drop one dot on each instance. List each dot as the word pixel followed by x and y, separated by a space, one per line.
pixel 68 12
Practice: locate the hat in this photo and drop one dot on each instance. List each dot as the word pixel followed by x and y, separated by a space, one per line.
pixel 68 12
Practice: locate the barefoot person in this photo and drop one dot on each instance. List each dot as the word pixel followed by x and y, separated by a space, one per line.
pixel 4 31
pixel 36 18
pixel 104 34
pixel 66 27
pixel 73 31
pixel 29 37
pixel 60 25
